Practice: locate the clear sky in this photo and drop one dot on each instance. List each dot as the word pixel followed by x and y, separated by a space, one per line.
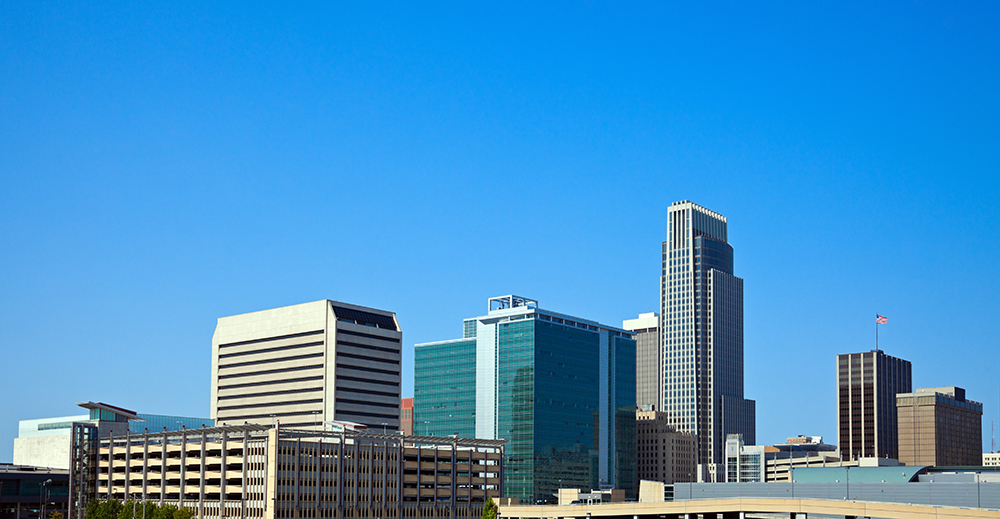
pixel 165 165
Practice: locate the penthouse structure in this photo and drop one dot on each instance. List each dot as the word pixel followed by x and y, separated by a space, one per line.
pixel 305 364
pixel 559 388
pixel 271 472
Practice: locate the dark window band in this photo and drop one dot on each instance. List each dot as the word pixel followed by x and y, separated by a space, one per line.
pixel 367 358
pixel 366 415
pixel 268 415
pixel 270 382
pixel 269 350
pixel 270 360
pixel 371 370
pixel 366 392
pixel 269 339
pixel 270 371
pixel 368 381
pixel 270 404
pixel 367 335
pixel 364 402
pixel 272 393
pixel 367 346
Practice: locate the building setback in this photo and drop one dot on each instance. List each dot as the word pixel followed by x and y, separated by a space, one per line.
pixel 274 472
pixel 867 385
pixel 648 360
pixel 701 314
pixel 560 389
pixel 305 364
pixel 939 427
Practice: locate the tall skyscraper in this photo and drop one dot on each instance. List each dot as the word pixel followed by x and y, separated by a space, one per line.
pixel 701 316
pixel 560 389
pixel 306 364
pixel 648 360
pixel 939 426
pixel 867 385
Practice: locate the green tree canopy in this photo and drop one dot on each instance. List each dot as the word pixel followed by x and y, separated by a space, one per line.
pixel 490 509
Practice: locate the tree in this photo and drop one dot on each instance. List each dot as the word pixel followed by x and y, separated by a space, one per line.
pixel 490 509
pixel 56 515
pixel 93 509
pixel 163 512
pixel 184 513
pixel 125 512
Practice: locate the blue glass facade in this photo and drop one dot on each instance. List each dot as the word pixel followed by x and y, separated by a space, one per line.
pixel 548 406
pixel 156 423
pixel 560 390
pixel 444 388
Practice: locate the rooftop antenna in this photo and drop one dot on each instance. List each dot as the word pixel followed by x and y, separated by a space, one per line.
pixel 993 439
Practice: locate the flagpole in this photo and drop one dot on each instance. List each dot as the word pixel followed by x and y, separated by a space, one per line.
pixel 876 331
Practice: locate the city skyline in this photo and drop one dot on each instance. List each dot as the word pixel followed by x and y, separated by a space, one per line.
pixel 164 168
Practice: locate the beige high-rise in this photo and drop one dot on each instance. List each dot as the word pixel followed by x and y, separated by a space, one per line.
pixel 939 427
pixel 648 360
pixel 305 364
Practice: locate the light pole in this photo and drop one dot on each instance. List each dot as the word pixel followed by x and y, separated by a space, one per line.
pixel 383 427
pixel 45 486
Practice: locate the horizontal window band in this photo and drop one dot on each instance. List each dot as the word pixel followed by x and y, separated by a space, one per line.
pixel 367 335
pixel 367 358
pixel 362 415
pixel 271 382
pixel 268 415
pixel 367 346
pixel 272 371
pixel 271 404
pixel 269 350
pixel 270 339
pixel 368 381
pixel 363 402
pixel 271 393
pixel 370 370
pixel 271 360
pixel 367 392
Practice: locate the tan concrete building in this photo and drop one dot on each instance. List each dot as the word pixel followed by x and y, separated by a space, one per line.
pixel 306 364
pixel 938 426
pixel 648 360
pixel 270 472
pixel 663 453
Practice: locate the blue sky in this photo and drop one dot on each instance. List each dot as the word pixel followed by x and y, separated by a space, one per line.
pixel 166 165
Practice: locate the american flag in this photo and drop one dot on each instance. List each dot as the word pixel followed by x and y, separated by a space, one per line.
pixel 879 319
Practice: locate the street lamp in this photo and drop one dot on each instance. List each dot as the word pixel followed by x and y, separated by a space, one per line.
pixel 45 485
pixel 383 427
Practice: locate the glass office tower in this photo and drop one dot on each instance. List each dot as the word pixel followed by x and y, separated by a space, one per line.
pixel 701 314
pixel 560 389
pixel 444 388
